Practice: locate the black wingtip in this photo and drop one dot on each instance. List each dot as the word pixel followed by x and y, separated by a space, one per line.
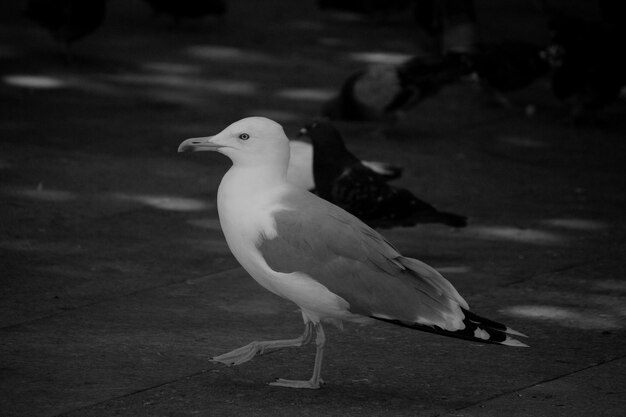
pixel 477 329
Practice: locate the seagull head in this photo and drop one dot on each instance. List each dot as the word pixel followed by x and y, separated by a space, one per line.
pixel 249 141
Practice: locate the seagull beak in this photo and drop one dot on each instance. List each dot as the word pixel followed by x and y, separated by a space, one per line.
pixel 199 144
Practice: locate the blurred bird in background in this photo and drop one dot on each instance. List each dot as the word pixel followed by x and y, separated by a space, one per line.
pixel 371 8
pixel 589 69
pixel 341 178
pixel 384 92
pixel 67 21
pixel 500 68
pixel 450 24
pixel 507 66
pixel 182 9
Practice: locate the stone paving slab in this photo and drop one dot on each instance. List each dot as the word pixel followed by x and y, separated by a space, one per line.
pixel 599 390
pixel 117 285
pixel 124 356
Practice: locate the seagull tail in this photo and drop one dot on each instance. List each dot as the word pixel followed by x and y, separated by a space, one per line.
pixel 477 329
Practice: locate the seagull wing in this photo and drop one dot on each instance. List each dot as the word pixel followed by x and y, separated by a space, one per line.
pixel 356 263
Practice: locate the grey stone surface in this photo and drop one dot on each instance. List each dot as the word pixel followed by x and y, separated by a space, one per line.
pixel 117 285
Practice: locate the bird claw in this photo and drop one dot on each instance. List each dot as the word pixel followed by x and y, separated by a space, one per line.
pixel 290 383
pixel 217 359
pixel 237 356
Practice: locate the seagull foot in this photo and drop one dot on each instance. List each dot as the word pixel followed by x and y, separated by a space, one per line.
pixel 249 351
pixel 290 383
pixel 239 355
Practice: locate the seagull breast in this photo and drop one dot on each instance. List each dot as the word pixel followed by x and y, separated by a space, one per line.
pixel 247 219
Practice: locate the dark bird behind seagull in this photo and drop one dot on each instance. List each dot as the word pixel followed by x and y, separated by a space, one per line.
pixel 67 20
pixel 180 9
pixel 341 178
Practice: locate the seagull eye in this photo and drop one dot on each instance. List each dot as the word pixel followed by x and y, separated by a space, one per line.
pixel 244 136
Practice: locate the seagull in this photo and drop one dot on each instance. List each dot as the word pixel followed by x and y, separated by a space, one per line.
pixel 325 260
pixel 343 180
pixel 300 169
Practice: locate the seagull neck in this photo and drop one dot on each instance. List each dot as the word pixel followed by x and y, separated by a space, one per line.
pixel 244 189
pixel 258 176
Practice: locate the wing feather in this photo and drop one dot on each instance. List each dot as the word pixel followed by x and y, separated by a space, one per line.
pixel 356 263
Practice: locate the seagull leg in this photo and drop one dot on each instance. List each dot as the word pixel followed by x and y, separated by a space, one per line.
pixel 245 353
pixel 315 382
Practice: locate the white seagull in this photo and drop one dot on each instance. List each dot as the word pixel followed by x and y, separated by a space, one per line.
pixel 328 262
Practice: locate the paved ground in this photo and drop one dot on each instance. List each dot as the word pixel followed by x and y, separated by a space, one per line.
pixel 117 285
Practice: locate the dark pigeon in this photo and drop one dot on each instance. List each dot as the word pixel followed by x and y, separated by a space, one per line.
pixel 590 71
pixel 364 7
pixel 181 9
pixel 342 179
pixel 386 91
pixel 67 20
pixel 508 66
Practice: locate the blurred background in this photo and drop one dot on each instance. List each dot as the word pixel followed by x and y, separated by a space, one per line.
pixel 117 285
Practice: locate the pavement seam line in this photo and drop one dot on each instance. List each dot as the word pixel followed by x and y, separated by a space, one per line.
pixel 172 381
pixel 559 270
pixel 106 300
pixel 536 384
pixel 130 394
